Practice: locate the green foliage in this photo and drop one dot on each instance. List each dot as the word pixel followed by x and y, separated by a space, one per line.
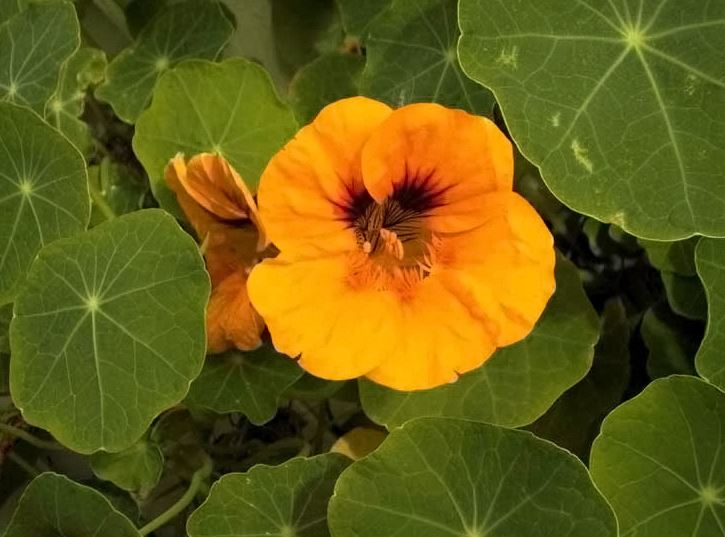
pixel 710 258
pixel 136 469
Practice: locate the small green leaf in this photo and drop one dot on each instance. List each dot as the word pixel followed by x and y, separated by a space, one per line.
pixel 247 382
pixel 229 108
pixel 573 421
pixel 34 44
pixel 710 259
pixel 191 29
pixel 518 383
pixel 411 57
pixel 443 477
pixel 136 469
pixel 43 192
pixel 119 337
pixel 115 190
pixel 686 295
pixel 672 345
pixel 53 505
pixel 616 102
pixel 286 500
pixel 357 15
pixel 677 256
pixel 658 460
pixel 330 77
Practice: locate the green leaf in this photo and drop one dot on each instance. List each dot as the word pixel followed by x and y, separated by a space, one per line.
pixel 328 78
pixel 34 44
pixel 357 15
pixel 616 102
pixel 9 8
pixel 309 387
pixel 6 315
pixel 119 338
pixel 518 383
pixel 192 29
pixel 672 345
pixel 573 421
pixel 658 460
pixel 136 469
pixel 43 192
pixel 686 295
pixel 411 57
pixel 84 69
pixel 677 256
pixel 710 259
pixel 247 382
pixel 229 108
pixel 442 477
pixel 286 500
pixel 115 190
pixel 53 505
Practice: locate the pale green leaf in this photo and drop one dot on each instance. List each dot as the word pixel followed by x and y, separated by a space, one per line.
pixel 286 500
pixel 620 103
pixel 34 44
pixel 411 57
pixel 657 460
pixel 191 29
pixel 710 259
pixel 439 477
pixel 518 383
pixel 247 382
pixel 53 505
pixel 136 469
pixel 109 331
pixel 43 192
pixel 230 108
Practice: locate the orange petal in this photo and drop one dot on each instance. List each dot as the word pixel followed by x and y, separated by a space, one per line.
pixel 305 189
pixel 231 320
pixel 503 269
pixel 440 159
pixel 311 309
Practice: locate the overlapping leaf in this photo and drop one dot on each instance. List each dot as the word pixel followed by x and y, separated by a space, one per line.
pixel 136 469
pixel 710 259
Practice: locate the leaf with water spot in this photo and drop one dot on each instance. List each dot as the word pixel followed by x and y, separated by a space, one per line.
pixel 518 383
pixel 658 460
pixel 620 103
pixel 43 192
pixel 191 29
pixel 109 331
pixel 229 107
pixel 442 477
pixel 34 44
pixel 286 500
pixel 411 57
pixel 53 505
pixel 710 260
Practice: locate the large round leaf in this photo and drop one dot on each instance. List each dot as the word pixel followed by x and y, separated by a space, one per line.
pixel 229 108
pixel 658 460
pixel 441 477
pixel 621 104
pixel 53 505
pixel 43 192
pixel 286 500
pixel 109 331
pixel 518 383
pixel 710 260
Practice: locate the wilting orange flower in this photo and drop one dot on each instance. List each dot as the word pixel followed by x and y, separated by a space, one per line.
pixel 405 254
pixel 223 213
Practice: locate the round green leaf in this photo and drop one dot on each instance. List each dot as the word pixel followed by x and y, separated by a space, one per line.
pixel 43 192
pixel 658 460
pixel 620 103
pixel 109 331
pixel 442 477
pixel 518 383
pixel 229 108
pixel 191 29
pixel 710 260
pixel 411 57
pixel 286 500
pixel 247 382
pixel 53 505
pixel 136 469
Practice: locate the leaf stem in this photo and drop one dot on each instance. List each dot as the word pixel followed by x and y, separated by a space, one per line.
pixel 29 438
pixel 100 201
pixel 22 463
pixel 196 482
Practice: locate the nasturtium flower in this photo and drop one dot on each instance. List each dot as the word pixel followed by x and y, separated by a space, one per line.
pixel 405 256
pixel 222 211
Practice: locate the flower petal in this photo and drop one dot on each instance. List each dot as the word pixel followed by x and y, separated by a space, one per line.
pixel 504 269
pixel 444 160
pixel 231 320
pixel 307 186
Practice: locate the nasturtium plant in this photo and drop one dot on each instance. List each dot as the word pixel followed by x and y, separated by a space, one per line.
pixel 343 268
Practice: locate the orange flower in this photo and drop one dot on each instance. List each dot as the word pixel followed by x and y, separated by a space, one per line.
pixel 405 255
pixel 223 214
